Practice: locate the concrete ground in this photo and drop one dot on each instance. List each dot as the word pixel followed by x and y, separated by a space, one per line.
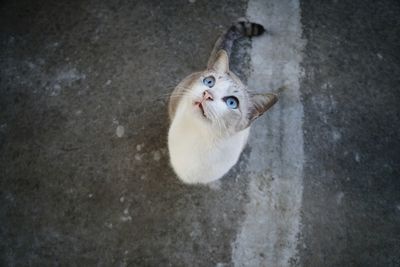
pixel 85 178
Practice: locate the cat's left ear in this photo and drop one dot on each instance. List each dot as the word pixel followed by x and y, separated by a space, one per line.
pixel 260 104
pixel 221 63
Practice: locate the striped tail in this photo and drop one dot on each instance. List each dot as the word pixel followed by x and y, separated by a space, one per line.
pixel 238 30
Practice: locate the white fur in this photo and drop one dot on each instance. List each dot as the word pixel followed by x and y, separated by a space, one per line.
pixel 198 154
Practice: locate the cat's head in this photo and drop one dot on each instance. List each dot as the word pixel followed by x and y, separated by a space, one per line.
pixel 217 98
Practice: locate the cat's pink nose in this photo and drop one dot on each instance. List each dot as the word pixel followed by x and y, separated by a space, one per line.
pixel 207 95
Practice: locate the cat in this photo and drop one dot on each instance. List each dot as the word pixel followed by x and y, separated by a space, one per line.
pixel 211 112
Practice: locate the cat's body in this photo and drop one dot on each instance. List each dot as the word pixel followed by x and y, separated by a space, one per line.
pixel 197 155
pixel 211 112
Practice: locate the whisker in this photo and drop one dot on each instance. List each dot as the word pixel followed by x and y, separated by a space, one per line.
pixel 183 92
pixel 222 123
pixel 216 119
pixel 175 95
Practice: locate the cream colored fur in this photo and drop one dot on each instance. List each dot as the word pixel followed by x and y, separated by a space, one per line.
pixel 199 153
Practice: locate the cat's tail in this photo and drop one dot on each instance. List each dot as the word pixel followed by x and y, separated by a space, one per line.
pixel 242 28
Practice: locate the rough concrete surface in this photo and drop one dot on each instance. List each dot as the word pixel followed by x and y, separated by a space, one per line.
pixel 351 97
pixel 268 233
pixel 84 172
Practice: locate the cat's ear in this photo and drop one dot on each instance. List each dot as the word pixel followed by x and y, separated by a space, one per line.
pixel 221 63
pixel 261 103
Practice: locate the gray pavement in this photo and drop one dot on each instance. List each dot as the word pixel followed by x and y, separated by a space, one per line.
pixel 84 172
pixel 351 96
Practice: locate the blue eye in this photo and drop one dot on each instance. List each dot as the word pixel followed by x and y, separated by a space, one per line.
pixel 232 102
pixel 209 81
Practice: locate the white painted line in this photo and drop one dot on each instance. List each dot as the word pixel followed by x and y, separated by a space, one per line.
pixel 268 234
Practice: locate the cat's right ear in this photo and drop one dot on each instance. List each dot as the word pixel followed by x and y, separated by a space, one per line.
pixel 221 63
pixel 260 104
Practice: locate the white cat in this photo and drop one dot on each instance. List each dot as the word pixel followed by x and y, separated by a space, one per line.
pixel 211 112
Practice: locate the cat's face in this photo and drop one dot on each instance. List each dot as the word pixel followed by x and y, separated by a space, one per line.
pixel 217 98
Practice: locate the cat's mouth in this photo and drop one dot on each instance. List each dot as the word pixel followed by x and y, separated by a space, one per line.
pixel 200 106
